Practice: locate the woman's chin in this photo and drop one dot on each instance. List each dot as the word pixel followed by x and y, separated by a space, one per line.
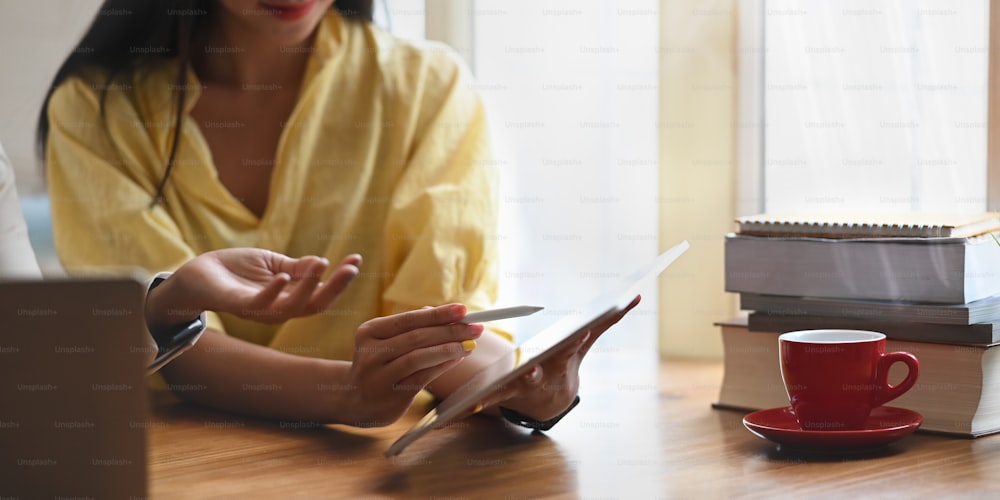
pixel 288 27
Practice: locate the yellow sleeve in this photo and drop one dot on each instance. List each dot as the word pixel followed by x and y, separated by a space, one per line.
pixel 440 233
pixel 100 191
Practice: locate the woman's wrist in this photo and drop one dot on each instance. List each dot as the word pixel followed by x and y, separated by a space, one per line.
pixel 540 405
pixel 339 395
pixel 166 303
pixel 523 420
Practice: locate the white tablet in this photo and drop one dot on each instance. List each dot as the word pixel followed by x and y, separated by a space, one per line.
pixel 537 349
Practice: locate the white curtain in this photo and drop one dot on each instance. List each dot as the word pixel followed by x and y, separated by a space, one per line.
pixel 571 87
pixel 875 105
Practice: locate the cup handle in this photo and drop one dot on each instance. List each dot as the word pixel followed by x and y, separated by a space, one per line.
pixel 889 392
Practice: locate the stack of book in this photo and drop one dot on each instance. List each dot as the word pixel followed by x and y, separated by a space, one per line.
pixel 930 283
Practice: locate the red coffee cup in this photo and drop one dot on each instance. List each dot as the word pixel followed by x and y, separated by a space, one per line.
pixel 835 377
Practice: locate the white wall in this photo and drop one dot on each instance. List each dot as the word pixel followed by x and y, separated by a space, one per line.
pixel 35 37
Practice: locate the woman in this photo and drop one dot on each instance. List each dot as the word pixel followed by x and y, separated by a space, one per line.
pixel 247 282
pixel 299 127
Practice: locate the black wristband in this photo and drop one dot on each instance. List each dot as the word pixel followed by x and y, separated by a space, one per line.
pixel 167 335
pixel 517 418
pixel 173 340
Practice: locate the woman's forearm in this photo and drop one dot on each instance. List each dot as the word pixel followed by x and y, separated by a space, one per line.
pixel 230 374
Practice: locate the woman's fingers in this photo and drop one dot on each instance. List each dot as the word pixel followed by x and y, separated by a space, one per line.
pixel 406 375
pixel 267 295
pixel 560 361
pixel 335 285
pixel 296 268
pixel 431 337
pixel 597 332
pixel 530 381
pixel 413 351
pixel 306 294
pixel 419 379
pixel 555 375
pixel 297 296
pixel 390 326
pixel 308 277
pixel 302 266
pixel 413 357
pixel 353 259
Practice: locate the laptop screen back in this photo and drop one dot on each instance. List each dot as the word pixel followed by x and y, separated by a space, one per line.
pixel 72 391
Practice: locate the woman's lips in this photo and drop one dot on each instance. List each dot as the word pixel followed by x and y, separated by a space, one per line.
pixel 289 12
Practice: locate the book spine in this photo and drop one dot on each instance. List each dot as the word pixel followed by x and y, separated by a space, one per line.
pixel 980 334
pixel 837 231
pixel 858 270
pixel 861 309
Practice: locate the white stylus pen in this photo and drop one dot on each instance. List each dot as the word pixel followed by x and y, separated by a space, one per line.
pixel 501 313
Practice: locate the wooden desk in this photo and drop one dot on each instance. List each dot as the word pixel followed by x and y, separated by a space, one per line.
pixel 641 431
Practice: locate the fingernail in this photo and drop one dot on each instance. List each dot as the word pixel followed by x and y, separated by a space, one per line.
pixel 457 310
pixel 468 345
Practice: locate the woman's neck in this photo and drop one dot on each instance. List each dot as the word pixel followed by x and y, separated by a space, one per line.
pixel 231 57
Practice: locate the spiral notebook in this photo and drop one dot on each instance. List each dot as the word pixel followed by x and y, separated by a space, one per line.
pixel 843 226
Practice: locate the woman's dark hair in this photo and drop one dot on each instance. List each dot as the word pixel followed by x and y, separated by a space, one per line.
pixel 122 28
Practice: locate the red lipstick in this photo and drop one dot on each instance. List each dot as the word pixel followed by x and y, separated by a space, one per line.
pixel 289 12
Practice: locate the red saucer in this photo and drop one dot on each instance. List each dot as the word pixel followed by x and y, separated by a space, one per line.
pixel 885 425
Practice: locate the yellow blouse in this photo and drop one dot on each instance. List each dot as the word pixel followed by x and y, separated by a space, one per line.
pixel 385 154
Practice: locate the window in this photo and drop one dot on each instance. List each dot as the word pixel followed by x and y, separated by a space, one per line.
pixel 875 105
pixel 403 18
pixel 572 89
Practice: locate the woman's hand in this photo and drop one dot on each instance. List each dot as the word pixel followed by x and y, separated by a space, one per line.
pixel 397 356
pixel 250 283
pixel 549 388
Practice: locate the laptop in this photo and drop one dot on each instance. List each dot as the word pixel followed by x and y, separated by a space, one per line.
pixel 539 348
pixel 73 400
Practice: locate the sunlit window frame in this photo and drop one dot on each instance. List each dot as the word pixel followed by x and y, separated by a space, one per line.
pixel 993 120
